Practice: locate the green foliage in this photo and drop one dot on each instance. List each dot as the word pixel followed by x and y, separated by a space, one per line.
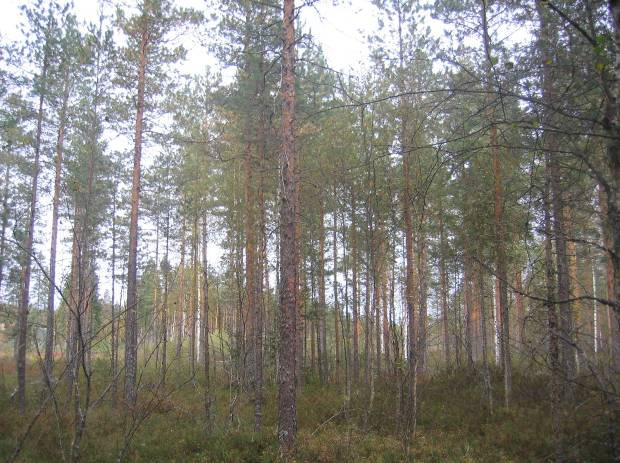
pixel 451 427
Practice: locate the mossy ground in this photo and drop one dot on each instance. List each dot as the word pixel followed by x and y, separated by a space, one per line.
pixel 454 424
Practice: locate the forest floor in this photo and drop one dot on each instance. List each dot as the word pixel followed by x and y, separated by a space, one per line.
pixel 454 423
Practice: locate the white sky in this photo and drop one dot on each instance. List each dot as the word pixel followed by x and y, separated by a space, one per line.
pixel 341 30
pixel 338 28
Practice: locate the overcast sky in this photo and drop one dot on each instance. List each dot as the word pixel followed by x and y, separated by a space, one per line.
pixel 337 27
pixel 340 29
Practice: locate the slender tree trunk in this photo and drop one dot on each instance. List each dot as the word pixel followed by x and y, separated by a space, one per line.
pixel 613 320
pixel 114 322
pixel 567 355
pixel 500 234
pixel 467 283
pixel 131 320
pixel 287 421
pixel 520 306
pixel 156 289
pixel 164 315
pixel 387 339
pixel 423 281
pixel 354 289
pixel 552 319
pixel 181 301
pixel 323 362
pixel 335 288
pixel 612 122
pixel 483 332
pixel 5 220
pixel 250 251
pixel 409 294
pixel 204 325
pixel 443 288
pixel 24 300
pixel 49 338
pixel 193 298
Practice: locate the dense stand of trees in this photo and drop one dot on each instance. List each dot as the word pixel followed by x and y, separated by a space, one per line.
pixel 455 206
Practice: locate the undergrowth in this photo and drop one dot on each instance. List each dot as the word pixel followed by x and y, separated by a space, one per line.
pixel 454 423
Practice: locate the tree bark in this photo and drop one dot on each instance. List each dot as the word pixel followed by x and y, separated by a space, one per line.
pixel 287 416
pixel 335 288
pixel 49 338
pixel 131 321
pixel 443 288
pixel 5 219
pixel 500 234
pixel 24 300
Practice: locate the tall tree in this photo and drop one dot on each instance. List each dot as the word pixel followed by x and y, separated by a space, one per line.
pixel 44 32
pixel 148 51
pixel 287 420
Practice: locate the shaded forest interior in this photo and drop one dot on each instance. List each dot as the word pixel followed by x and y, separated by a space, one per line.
pixel 216 245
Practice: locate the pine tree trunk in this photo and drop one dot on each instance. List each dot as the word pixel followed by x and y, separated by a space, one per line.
pixel 180 315
pixel 164 315
pixel 5 220
pixel 24 300
pixel 335 288
pixel 204 325
pixel 613 320
pixel 114 322
pixel 500 234
pixel 443 288
pixel 467 284
pixel 552 320
pixel 323 368
pixel 354 290
pixel 519 306
pixel 193 298
pixel 131 320
pixel 423 281
pixel 287 421
pixel 613 188
pixel 49 338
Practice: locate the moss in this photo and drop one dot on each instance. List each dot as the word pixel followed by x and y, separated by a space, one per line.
pixel 454 424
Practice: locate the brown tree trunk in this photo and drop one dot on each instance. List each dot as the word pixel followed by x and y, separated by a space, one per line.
pixel 24 300
pixel 114 322
pixel 131 320
pixel 410 292
pixel 613 187
pixel 164 315
pixel 204 325
pixel 354 290
pixel 552 318
pixel 483 333
pixel 467 289
pixel 443 288
pixel 193 298
pixel 500 234
pixel 520 306
pixel 322 325
pixel 49 338
pixel 613 320
pixel 287 416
